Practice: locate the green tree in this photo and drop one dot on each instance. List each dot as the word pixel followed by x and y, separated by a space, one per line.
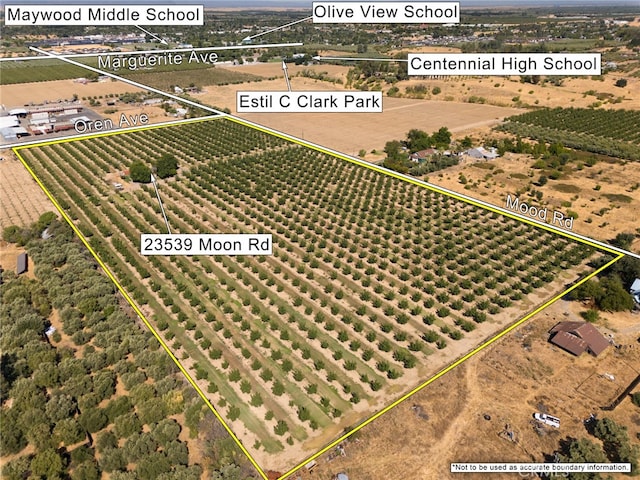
pixel 228 472
pixel 589 290
pixel 104 384
pixel 442 138
pixel 68 431
pixel 233 413
pixel 106 440
pixel 12 439
pixel 93 420
pixel 418 140
pixel 152 411
pixel 623 240
pixel 152 466
pixel 166 431
pixel 166 166
pixel 395 159
pixel 393 149
pixel 139 172
pixel 277 388
pixel 139 445
pixel 17 469
pixel 47 464
pixel 118 406
pixel 615 440
pixel 193 472
pixel 126 425
pixel 86 471
pixel 614 297
pixel 176 452
pixel 583 451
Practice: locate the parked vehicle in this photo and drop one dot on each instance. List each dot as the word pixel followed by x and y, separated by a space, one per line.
pixel 547 419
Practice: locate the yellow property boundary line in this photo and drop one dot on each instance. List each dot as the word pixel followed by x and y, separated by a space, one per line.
pixel 126 295
pixel 455 364
pixel 416 182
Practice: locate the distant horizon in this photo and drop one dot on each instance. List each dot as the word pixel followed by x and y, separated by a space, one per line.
pixel 307 3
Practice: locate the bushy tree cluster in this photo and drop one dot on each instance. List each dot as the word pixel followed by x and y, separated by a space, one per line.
pixel 140 172
pixel 166 166
pixel 398 151
pixel 610 291
pixel 616 447
pixel 22 235
pixel 57 397
pixel 607 293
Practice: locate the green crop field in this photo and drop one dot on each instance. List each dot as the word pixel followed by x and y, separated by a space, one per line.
pixel 196 76
pixel 371 281
pixel 609 132
pixel 38 71
pixel 161 77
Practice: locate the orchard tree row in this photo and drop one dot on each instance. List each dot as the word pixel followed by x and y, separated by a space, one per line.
pixel 369 277
pixel 96 395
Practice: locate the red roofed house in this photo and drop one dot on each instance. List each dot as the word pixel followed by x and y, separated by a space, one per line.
pixel 422 155
pixel 578 337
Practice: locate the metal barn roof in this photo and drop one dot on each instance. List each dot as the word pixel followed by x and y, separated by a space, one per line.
pixel 578 337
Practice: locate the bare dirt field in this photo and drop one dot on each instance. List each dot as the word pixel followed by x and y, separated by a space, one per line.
pixel 351 132
pixel 593 192
pixel 508 382
pixel 21 199
pixel 59 90
pixel 508 90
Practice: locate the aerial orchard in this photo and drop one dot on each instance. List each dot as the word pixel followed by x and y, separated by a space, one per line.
pixel 371 279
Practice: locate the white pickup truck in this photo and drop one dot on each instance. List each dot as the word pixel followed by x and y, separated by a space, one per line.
pixel 547 419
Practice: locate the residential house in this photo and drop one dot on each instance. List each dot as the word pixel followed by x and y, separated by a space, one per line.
pixel 578 337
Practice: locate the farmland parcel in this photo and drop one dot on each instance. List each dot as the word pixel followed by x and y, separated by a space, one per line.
pixel 374 283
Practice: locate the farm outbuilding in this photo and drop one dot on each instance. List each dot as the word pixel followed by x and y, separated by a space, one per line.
pixel 19 112
pixel 23 263
pixel 9 121
pixel 482 153
pixel 635 290
pixel 578 337
pixel 8 133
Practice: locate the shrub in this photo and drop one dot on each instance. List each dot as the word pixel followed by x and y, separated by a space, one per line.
pixel 591 315
pixel 281 428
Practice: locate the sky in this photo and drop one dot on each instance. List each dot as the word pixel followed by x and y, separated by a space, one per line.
pixel 307 3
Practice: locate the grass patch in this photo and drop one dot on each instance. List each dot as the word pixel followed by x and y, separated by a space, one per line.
pixel 483 165
pixel 519 176
pixel 566 188
pixel 199 77
pixel 27 71
pixel 618 198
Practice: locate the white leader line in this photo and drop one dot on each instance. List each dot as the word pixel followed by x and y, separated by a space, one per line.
pixel 156 51
pixel 250 37
pixel 509 213
pixel 130 82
